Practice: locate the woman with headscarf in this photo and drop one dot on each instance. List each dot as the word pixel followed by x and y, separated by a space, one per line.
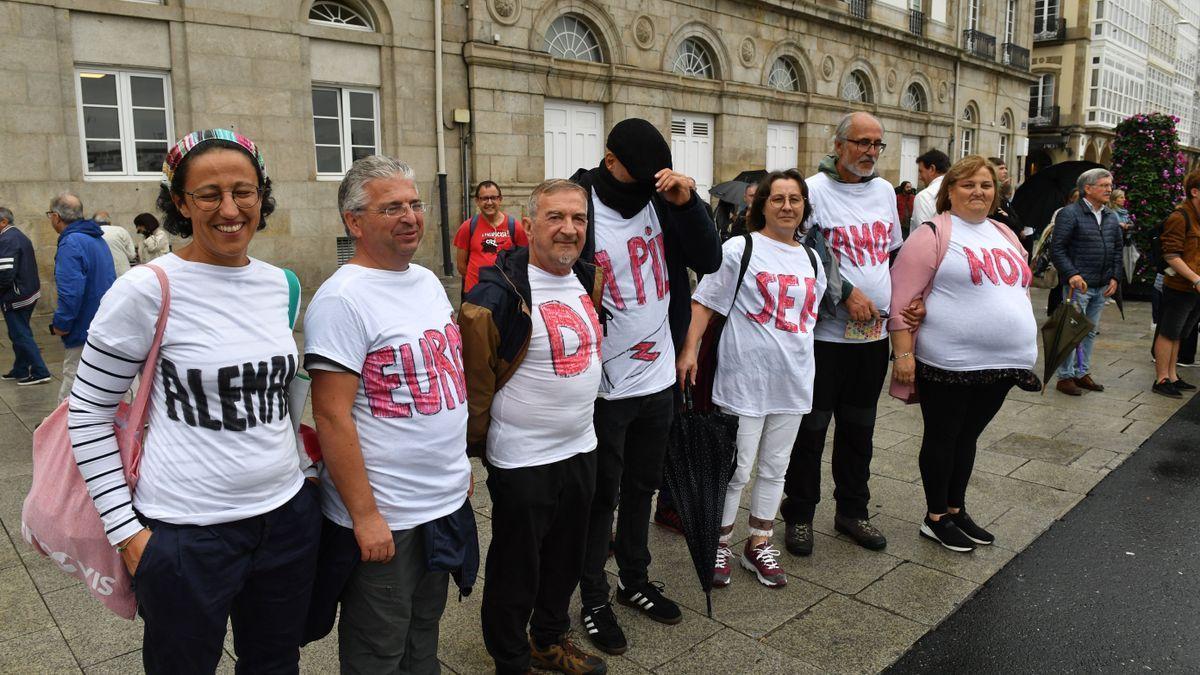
pixel 222 525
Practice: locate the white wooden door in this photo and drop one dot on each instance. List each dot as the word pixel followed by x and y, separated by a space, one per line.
pixel 692 148
pixel 783 145
pixel 910 148
pixel 574 134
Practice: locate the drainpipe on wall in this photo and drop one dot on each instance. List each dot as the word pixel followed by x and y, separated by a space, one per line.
pixel 443 205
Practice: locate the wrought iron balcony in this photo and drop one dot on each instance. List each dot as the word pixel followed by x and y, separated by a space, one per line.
pixel 1015 56
pixel 1048 29
pixel 980 44
pixel 859 8
pixel 1042 117
pixel 916 22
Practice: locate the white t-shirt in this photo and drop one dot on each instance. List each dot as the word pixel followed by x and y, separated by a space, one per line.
pixel 978 314
pixel 861 224
pixel 396 329
pixel 765 360
pixel 220 446
pixel 925 203
pixel 543 413
pixel 639 356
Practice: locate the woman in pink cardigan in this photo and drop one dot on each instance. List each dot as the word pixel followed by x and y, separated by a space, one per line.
pixel 978 339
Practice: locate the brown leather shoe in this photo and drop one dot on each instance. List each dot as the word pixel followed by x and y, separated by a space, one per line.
pixel 1068 387
pixel 1088 383
pixel 566 657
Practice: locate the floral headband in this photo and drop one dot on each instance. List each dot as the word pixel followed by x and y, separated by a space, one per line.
pixel 186 144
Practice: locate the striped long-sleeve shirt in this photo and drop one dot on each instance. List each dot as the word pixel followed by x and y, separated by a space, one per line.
pixel 102 380
pixel 220 445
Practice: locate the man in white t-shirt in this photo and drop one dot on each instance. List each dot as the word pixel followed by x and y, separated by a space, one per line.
pixel 531 342
pixel 646 228
pixel 931 167
pixel 855 211
pixel 390 402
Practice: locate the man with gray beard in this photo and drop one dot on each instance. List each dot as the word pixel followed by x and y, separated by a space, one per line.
pixel 855 211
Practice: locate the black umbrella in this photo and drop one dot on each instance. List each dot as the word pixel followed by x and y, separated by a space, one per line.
pixel 1061 334
pixel 1047 190
pixel 734 191
pixel 700 459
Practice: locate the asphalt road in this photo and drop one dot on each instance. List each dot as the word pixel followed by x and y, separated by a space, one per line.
pixel 1114 586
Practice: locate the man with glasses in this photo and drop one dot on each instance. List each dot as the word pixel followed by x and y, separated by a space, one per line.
pixel 854 210
pixel 485 234
pixel 390 404
pixel 83 272
pixel 1085 248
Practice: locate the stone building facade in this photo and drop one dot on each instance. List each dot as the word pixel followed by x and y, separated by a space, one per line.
pixel 1100 61
pixel 94 90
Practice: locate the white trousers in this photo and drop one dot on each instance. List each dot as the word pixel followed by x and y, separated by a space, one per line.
pixel 768 440
pixel 70 365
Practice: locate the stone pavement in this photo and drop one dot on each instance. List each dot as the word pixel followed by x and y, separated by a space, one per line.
pixel 844 610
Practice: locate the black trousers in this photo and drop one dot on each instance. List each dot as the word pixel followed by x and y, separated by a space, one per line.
pixel 539 516
pixel 257 572
pixel 955 415
pixel 632 435
pixel 848 381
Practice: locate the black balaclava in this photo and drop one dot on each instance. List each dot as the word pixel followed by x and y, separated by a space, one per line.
pixel 643 152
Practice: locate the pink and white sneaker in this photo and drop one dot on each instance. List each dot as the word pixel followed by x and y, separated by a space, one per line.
pixel 723 569
pixel 764 562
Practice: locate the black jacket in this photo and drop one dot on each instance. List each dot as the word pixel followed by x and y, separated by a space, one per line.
pixel 496 326
pixel 1080 246
pixel 20 286
pixel 690 240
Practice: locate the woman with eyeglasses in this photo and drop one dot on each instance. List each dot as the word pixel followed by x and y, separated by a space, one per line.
pixel 765 365
pixel 222 524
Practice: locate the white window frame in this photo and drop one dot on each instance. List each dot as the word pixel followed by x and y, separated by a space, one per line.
pixel 1010 21
pixel 366 18
pixel 344 120
pixel 129 170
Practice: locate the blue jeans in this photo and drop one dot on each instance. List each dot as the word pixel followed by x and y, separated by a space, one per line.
pixel 1091 304
pixel 28 358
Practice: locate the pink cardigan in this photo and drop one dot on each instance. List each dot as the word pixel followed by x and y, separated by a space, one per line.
pixel 913 273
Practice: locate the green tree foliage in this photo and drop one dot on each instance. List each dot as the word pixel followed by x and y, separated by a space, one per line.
pixel 1149 167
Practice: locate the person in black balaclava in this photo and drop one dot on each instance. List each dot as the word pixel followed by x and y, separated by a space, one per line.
pixel 646 227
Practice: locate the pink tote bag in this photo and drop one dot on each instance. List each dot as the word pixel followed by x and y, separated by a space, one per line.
pixel 59 518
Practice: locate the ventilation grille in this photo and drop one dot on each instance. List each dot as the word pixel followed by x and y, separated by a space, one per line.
pixel 679 127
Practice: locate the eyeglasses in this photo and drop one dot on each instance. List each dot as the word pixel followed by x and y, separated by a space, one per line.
pixel 495 198
pixel 398 210
pixel 244 197
pixel 779 200
pixel 865 144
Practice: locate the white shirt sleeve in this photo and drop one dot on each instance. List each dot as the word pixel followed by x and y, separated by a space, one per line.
pixel 923 208
pixel 333 330
pixel 715 291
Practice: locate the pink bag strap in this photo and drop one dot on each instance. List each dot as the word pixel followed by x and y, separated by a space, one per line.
pixel 140 408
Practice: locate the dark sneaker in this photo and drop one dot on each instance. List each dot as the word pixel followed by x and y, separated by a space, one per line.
pixel 603 630
pixel 565 657
pixel 723 569
pixel 763 561
pixel 13 376
pixel 1183 386
pixel 650 600
pixel 1163 387
pixel 861 531
pixel 668 518
pixel 798 537
pixel 946 533
pixel 974 532
pixel 33 379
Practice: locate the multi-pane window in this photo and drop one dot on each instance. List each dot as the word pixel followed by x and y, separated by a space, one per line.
pixel 1119 87
pixel 1041 95
pixel 856 88
pixel 694 59
pixel 1045 18
pixel 968 131
pixel 345 127
pixel 1006 125
pixel 570 37
pixel 785 76
pixel 914 99
pixel 1010 21
pixel 124 121
pixel 339 14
